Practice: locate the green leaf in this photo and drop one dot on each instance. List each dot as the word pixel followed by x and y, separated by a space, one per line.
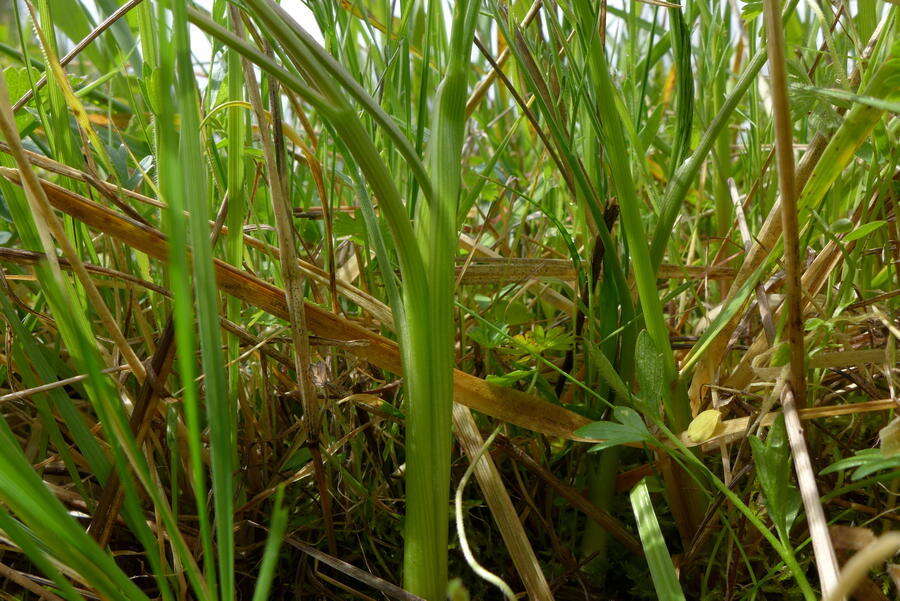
pixel 861 457
pixel 488 337
pixel 511 378
pixel 300 458
pixel 539 341
pixel 863 230
pixel 18 83
pixel 273 544
pixel 751 10
pixel 844 97
pixel 841 226
pixel 662 570
pixel 346 225
pixel 867 461
pixel 773 470
pixel 629 429
pixel 648 363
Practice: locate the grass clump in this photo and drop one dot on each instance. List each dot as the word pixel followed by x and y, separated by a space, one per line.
pixel 279 278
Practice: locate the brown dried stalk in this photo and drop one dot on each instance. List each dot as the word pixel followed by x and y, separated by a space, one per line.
pixel 826 561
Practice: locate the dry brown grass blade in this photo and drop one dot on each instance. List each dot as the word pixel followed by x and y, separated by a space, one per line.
pixel 48 224
pixel 814 279
pixel 293 277
pixel 505 404
pixel 501 270
pixel 734 429
pixel 491 270
pixel 27 583
pixel 549 295
pixel 304 472
pixel 573 496
pixel 27 257
pixel 765 241
pixel 27 392
pixel 794 394
pixel 762 300
pixel 390 590
pixel 152 389
pixel 368 302
pixel 497 498
pixel 294 280
pixel 857 567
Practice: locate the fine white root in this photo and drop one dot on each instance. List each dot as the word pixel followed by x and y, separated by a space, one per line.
pixel 480 570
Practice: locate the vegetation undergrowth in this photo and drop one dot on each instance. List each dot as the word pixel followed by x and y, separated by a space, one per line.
pixel 279 280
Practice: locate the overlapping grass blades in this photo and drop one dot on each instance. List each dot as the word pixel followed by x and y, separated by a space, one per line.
pixel 490 224
pixel 426 262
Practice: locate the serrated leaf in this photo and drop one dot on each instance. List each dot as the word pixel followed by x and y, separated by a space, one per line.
pixel 751 10
pixel 539 341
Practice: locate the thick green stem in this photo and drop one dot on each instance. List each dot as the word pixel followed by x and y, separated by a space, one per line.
pixel 431 333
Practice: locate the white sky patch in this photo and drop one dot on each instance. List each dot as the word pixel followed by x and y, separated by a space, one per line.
pixel 202 48
pixel 200 42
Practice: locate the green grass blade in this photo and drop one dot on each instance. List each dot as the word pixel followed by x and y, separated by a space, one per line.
pixel 277 528
pixel 678 186
pixel 220 406
pixel 169 171
pixel 662 570
pixel 632 222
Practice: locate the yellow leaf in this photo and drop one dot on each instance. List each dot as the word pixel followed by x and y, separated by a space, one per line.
pixel 704 425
